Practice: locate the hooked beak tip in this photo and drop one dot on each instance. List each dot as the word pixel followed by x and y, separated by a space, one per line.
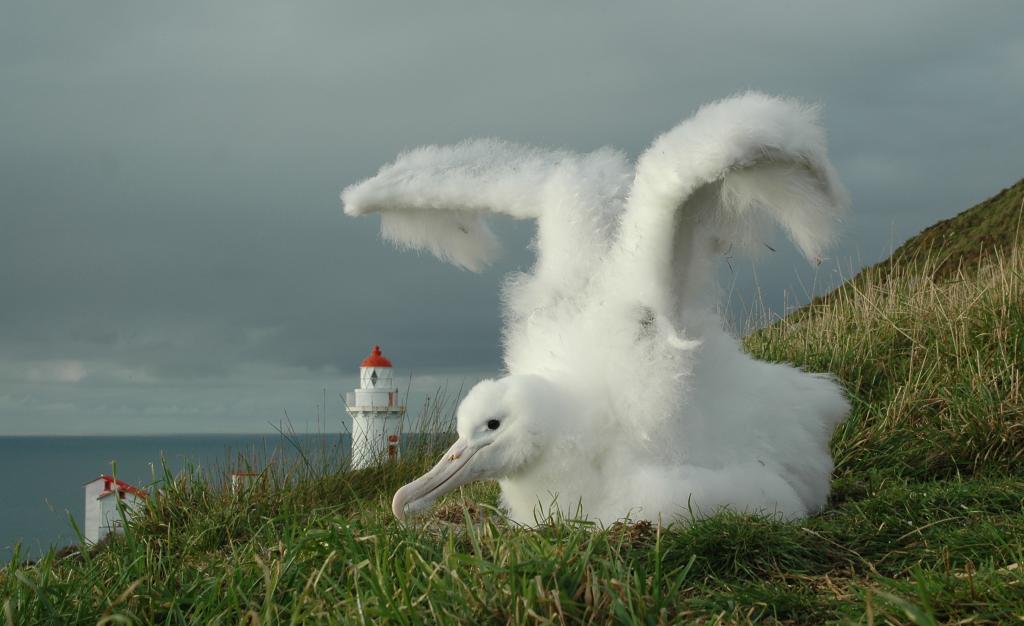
pixel 398 504
pixel 446 475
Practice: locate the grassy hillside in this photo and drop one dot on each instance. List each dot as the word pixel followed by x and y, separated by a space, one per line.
pixel 967 239
pixel 959 245
pixel 926 525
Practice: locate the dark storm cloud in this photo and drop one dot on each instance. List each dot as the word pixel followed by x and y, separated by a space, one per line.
pixel 169 174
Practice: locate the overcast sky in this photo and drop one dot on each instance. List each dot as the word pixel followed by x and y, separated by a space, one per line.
pixel 173 257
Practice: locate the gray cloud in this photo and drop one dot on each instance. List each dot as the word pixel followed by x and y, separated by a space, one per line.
pixel 169 174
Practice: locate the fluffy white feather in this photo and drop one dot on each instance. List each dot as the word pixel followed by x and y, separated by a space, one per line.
pixel 719 176
pixel 624 395
pixel 434 198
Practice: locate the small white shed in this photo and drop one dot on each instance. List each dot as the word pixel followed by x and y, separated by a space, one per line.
pixel 102 496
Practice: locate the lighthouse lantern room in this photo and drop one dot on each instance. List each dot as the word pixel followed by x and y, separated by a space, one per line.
pixel 376 414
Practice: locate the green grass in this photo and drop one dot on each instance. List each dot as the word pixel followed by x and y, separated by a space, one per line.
pixel 966 240
pixel 926 524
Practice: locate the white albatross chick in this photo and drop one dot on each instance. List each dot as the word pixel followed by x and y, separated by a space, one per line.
pixel 625 396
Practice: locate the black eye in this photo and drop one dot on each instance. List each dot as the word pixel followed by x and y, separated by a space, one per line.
pixel 493 424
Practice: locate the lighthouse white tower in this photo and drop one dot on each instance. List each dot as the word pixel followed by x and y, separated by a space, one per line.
pixel 376 414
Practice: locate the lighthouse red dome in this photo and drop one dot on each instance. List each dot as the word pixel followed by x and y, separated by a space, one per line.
pixel 376 359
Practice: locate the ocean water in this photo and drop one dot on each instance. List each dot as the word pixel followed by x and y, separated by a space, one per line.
pixel 43 476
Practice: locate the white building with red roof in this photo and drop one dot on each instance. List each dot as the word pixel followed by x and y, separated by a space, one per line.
pixel 376 413
pixel 106 498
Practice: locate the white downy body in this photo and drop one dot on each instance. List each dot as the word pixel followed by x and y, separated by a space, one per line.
pixel 625 395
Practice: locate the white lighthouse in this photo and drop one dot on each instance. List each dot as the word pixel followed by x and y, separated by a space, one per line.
pixel 376 413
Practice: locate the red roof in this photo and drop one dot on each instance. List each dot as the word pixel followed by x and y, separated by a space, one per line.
pixel 110 482
pixel 376 359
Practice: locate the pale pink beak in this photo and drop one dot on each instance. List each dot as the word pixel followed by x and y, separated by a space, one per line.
pixel 449 473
